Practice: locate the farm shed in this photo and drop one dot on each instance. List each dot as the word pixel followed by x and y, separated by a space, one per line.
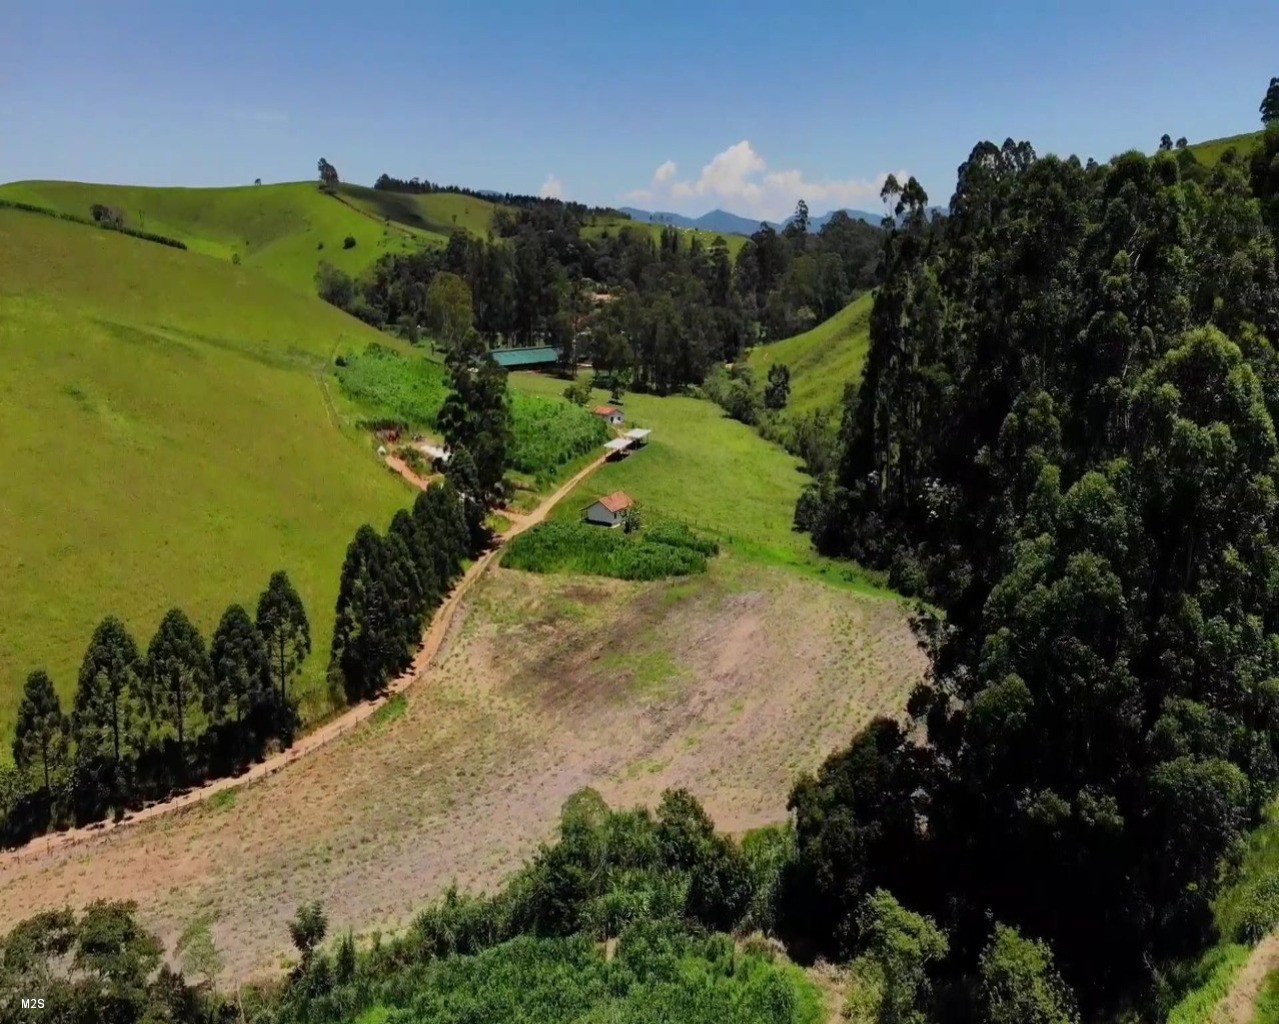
pixel 608 510
pixel 609 414
pixel 639 436
pixel 618 447
pixel 539 355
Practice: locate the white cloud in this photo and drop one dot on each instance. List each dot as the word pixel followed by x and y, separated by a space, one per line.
pixel 552 188
pixel 739 178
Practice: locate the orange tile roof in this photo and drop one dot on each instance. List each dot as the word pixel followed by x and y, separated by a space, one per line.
pixel 605 410
pixel 617 501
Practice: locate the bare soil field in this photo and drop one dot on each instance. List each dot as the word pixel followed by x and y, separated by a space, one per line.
pixel 728 684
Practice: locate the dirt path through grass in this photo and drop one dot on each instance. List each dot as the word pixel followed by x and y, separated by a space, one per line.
pixel 1240 1003
pixel 329 731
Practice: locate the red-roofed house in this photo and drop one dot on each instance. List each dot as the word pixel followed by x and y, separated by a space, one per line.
pixel 610 414
pixel 609 510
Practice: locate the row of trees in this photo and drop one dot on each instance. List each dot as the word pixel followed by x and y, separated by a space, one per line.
pixel 390 586
pixel 662 309
pixel 145 723
pixel 1066 438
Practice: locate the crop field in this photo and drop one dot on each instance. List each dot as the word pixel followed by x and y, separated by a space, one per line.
pixel 728 683
pixel 547 434
pixel 612 225
pixel 709 471
pixel 168 439
pixel 283 230
pixel 658 551
pixel 823 360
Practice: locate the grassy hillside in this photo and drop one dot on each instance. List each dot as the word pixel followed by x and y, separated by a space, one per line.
pixel 822 360
pixel 168 440
pixel 612 225
pixel 710 472
pixel 1211 151
pixel 283 230
pixel 439 213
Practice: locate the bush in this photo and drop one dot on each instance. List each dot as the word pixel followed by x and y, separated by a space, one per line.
pixel 348 242
pixel 1259 912
pixel 657 553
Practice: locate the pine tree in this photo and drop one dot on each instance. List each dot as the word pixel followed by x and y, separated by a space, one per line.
pixel 461 472
pixel 106 701
pixel 282 621
pixel 40 737
pixel 241 670
pixel 368 630
pixel 178 676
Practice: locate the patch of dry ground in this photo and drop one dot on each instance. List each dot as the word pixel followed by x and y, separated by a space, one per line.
pixel 728 685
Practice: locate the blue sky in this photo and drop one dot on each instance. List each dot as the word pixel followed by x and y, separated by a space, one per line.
pixel 746 105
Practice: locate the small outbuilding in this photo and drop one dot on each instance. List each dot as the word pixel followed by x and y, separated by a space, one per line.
pixel 608 510
pixel 610 414
pixel 638 436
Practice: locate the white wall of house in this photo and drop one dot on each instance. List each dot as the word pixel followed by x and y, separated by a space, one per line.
pixel 597 513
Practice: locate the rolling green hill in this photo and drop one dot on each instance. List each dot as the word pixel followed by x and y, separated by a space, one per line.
pixel 168 438
pixel 822 360
pixel 612 225
pixel 436 213
pixel 283 230
pixel 1211 151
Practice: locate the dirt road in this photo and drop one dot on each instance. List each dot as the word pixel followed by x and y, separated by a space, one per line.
pixel 1240 1004
pixel 330 730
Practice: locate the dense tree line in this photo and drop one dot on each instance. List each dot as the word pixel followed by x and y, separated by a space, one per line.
pixel 1065 438
pixel 392 583
pixel 421 186
pixel 660 310
pixel 146 723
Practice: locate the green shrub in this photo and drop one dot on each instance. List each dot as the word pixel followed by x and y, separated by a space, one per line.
pixel 653 554
pixel 1258 912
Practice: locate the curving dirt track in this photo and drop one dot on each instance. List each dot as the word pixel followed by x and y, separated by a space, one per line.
pixel 329 731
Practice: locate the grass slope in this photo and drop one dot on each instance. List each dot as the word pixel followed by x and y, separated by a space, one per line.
pixel 167 440
pixel 277 229
pixel 1211 151
pixel 822 360
pixel 601 226
pixel 438 213
pixel 709 471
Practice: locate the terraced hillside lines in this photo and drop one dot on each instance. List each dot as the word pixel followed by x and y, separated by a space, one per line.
pixel 166 441
pixel 728 685
pixel 283 230
pixel 822 361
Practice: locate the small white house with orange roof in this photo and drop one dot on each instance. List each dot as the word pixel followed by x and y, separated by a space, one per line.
pixel 609 510
pixel 610 414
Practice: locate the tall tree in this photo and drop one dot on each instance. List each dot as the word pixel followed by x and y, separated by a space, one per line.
pixel 1269 108
pixel 282 621
pixel 461 471
pixel 40 737
pixel 476 414
pixel 368 643
pixel 328 174
pixel 241 669
pixel 449 312
pixel 106 701
pixel 178 675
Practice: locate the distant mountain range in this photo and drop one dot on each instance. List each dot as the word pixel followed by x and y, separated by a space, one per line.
pixel 724 223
